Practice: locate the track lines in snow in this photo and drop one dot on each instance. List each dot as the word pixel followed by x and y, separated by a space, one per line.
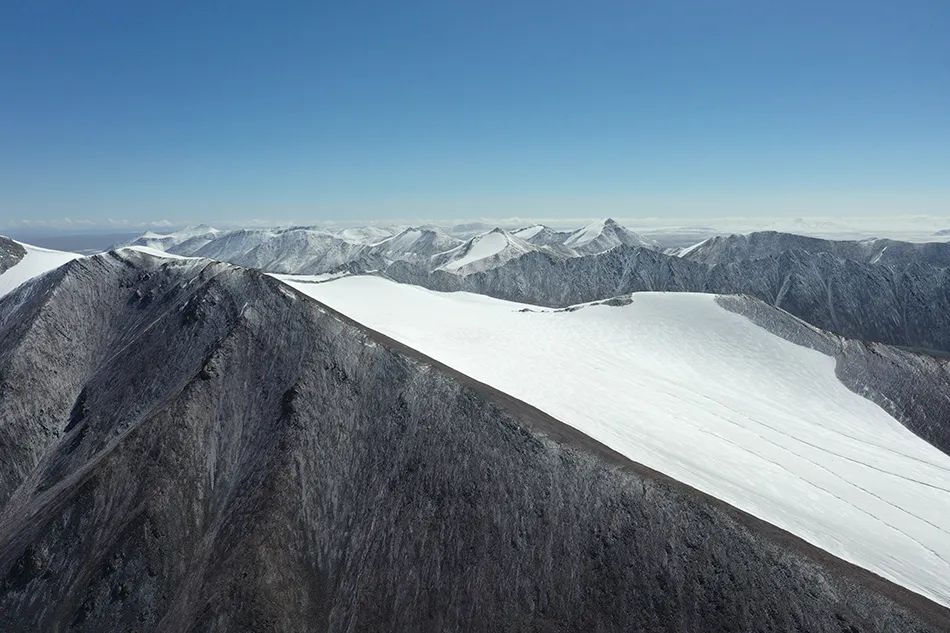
pixel 837 476
pixel 823 449
pixel 685 387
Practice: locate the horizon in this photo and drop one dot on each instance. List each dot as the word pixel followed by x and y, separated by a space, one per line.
pixel 668 232
pixel 174 115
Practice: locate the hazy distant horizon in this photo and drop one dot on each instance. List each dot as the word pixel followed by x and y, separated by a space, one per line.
pixel 89 237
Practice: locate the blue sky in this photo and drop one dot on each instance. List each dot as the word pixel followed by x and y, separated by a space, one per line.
pixel 129 112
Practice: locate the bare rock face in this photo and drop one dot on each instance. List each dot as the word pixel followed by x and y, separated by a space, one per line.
pixel 543 279
pixel 906 304
pixel 724 249
pixel 10 253
pixel 191 446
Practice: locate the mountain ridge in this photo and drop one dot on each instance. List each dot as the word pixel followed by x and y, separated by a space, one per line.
pixel 184 501
pixel 908 306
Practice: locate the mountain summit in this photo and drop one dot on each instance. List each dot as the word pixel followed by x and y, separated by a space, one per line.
pixel 604 235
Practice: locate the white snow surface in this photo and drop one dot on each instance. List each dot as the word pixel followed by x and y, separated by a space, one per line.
pixel 586 234
pixel 528 232
pixel 485 251
pixel 36 262
pixel 164 241
pixel 601 236
pixel 404 241
pixel 681 385
pixel 689 249
pixel 154 252
pixel 416 243
pixel 480 247
pixel 365 234
pixel 309 279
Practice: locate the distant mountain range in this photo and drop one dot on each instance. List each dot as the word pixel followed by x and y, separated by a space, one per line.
pixel 766 244
pixel 306 250
pixel 876 289
pixel 894 292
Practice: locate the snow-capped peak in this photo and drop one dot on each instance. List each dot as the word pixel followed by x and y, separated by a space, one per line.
pixel 603 235
pixel 370 234
pixel 164 241
pixel 416 244
pixel 529 231
pixel 484 251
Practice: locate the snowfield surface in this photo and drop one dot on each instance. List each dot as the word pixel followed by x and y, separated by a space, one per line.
pixel 679 384
pixel 481 247
pixel 484 251
pixel 529 232
pixel 165 241
pixel 416 243
pixel 154 252
pixel 586 234
pixel 403 243
pixel 308 279
pixel 690 249
pixel 36 262
pixel 601 236
pixel 365 234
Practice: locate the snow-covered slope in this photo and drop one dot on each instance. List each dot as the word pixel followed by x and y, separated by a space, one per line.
pixel 415 244
pixel 365 234
pixel 541 235
pixel 684 386
pixel 35 262
pixel 154 252
pixel 194 236
pixel 482 252
pixel 603 235
pixel 529 232
pixel 686 250
pixel 230 245
pixel 299 251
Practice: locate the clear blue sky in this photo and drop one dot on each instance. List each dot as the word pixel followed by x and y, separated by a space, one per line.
pixel 229 111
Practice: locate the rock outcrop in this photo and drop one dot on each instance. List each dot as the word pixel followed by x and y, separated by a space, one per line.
pixel 10 253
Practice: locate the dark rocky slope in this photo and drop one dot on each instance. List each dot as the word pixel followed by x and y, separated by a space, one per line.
pixel 10 253
pixel 907 305
pixel 542 279
pixel 723 249
pixel 189 446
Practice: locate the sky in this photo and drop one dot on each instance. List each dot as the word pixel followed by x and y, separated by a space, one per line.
pixel 123 114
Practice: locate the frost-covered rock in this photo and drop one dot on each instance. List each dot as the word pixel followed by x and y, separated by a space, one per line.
pixel 186 445
pixel 10 253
